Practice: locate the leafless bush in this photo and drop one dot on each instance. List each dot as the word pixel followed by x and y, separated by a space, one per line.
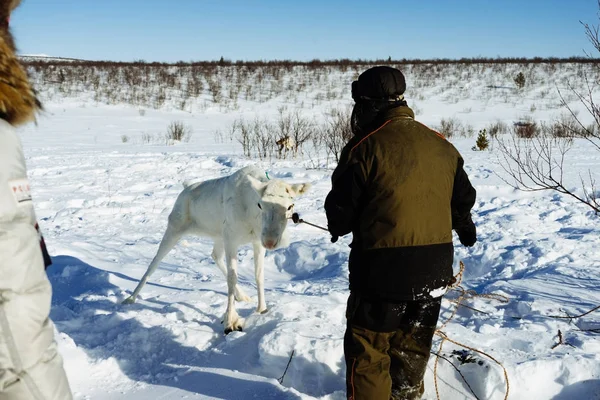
pixel 539 164
pixel 230 135
pixel 449 127
pixel 179 132
pixel 263 138
pixel 257 137
pixel 336 131
pixel 525 130
pixel 566 126
pixel 124 138
pixel 243 135
pixel 467 131
pixel 302 129
pixel 497 128
pixel 147 138
pixel 219 136
pixel 214 86
pixel 590 132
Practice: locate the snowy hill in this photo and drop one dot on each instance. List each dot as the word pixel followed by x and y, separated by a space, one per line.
pixel 104 180
pixel 26 58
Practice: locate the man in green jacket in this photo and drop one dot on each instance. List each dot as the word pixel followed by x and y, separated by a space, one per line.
pixel 401 189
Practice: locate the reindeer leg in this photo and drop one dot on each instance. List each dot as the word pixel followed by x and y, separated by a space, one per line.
pixel 232 320
pixel 169 240
pixel 259 274
pixel 218 256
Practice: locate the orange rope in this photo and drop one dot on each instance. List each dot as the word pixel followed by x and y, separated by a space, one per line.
pixel 375 131
pixel 465 294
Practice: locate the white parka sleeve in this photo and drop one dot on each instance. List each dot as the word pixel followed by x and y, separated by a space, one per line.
pixel 30 366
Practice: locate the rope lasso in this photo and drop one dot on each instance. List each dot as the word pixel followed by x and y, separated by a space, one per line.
pixel 465 294
pixel 297 220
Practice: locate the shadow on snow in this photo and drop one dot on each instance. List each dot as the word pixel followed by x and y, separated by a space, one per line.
pixel 86 307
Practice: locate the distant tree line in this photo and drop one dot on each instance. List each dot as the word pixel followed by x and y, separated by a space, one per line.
pixel 315 63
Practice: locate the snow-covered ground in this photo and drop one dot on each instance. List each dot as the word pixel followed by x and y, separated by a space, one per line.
pixel 103 207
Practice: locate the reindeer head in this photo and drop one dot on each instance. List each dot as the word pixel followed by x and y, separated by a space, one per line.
pixel 276 205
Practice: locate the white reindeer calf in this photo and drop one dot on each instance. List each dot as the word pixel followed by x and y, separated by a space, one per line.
pixel 245 207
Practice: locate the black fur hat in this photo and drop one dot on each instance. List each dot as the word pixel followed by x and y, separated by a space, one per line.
pixel 379 83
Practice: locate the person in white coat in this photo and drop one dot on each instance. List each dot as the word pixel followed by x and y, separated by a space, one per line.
pixel 30 366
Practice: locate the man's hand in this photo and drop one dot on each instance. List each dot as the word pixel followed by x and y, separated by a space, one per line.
pixel 467 236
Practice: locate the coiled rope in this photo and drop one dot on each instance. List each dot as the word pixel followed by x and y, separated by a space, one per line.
pixel 465 294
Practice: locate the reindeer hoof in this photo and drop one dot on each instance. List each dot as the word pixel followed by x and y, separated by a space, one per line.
pixel 129 300
pixel 234 324
pixel 266 310
pixel 229 330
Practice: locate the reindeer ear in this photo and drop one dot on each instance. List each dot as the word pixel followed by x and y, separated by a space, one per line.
pixel 257 185
pixel 300 188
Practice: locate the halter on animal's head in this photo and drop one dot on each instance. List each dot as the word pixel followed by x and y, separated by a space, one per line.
pixel 276 205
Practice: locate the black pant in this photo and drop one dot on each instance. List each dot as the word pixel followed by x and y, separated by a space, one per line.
pixel 386 347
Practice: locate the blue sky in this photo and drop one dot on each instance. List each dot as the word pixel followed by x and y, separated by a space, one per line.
pixel 173 30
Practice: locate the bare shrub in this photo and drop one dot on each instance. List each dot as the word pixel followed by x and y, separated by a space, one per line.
pixel 264 140
pixel 147 138
pixel 243 135
pixel 497 128
pixel 124 138
pixel 302 129
pixel 525 130
pixel 179 132
pixel 219 136
pixel 450 127
pixel 566 126
pixel 262 136
pixel 539 164
pixel 467 131
pixel 214 86
pixel 336 131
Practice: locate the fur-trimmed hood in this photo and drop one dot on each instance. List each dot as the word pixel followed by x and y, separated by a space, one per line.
pixel 18 101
